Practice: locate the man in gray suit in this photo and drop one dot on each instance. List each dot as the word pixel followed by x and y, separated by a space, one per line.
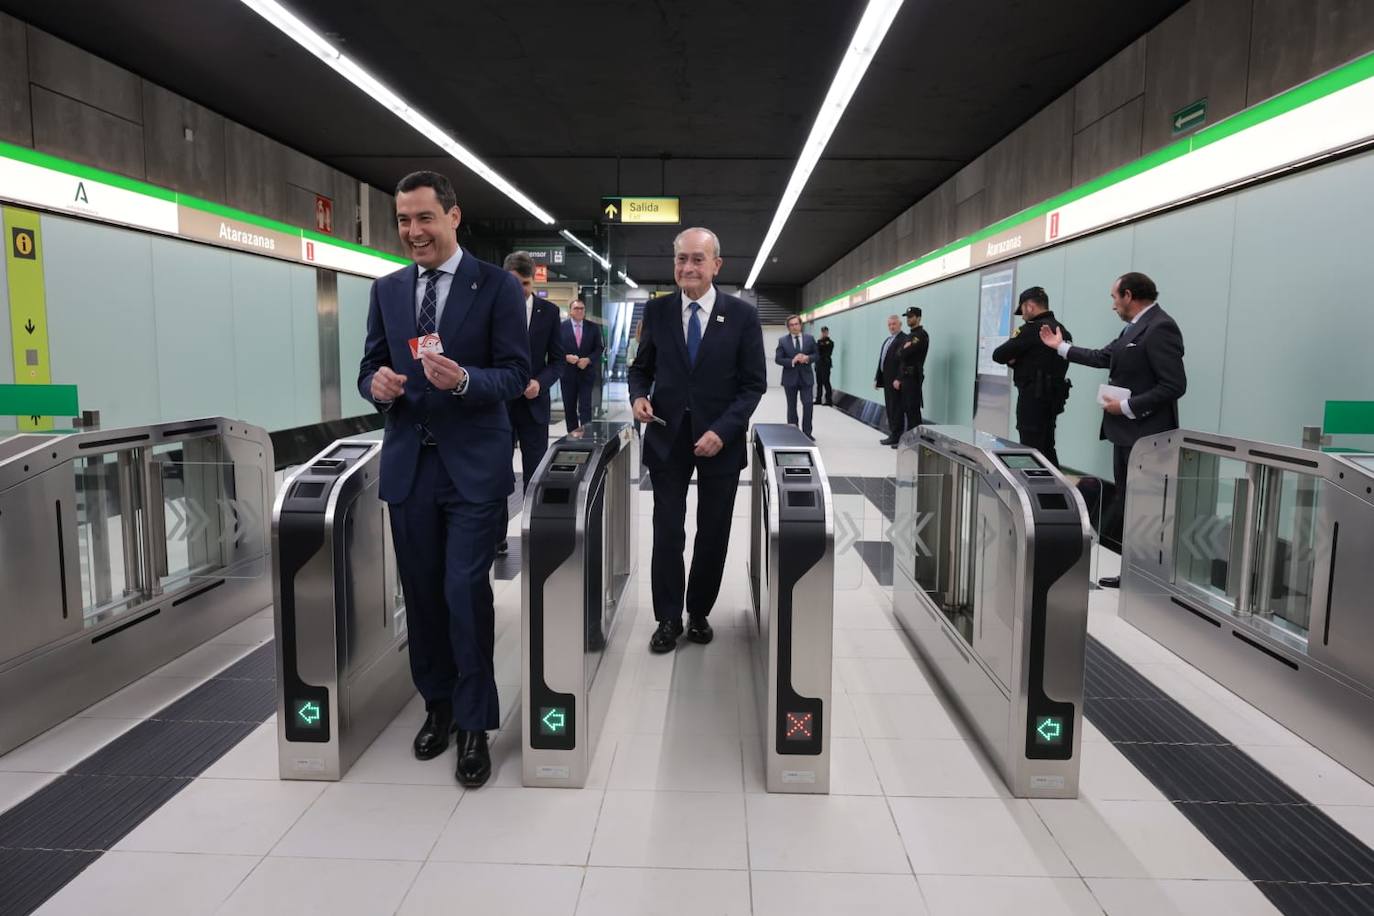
pixel 796 352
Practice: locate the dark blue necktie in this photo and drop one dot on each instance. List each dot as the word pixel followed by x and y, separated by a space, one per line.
pixel 693 333
pixel 429 306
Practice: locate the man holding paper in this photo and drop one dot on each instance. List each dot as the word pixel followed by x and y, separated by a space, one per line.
pixel 1145 379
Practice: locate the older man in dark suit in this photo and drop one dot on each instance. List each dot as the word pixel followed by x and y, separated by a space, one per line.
pixel 701 355
pixel 1147 360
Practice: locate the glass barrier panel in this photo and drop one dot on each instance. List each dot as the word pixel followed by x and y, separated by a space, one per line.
pixel 107 534
pixel 1284 532
pixel 862 554
pixel 1209 518
pixel 214 516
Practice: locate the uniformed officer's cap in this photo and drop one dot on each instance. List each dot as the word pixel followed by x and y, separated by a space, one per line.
pixel 1035 294
pixel 913 311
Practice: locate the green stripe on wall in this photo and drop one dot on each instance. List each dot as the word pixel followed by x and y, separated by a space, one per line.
pixel 1343 77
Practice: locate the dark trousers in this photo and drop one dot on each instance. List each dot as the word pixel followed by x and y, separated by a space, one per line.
pixel 532 438
pixel 578 385
pixel 1114 515
pixel 803 392
pixel 1035 422
pixel 444 550
pixel 715 507
pixel 823 385
pixel 896 416
pixel 911 401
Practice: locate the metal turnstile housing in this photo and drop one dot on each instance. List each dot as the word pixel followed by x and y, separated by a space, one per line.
pixel 577 546
pixel 1251 561
pixel 792 585
pixel 343 673
pixel 992 555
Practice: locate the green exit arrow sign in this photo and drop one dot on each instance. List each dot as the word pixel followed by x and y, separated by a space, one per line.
pixel 309 712
pixel 555 720
pixel 1189 117
pixel 1050 729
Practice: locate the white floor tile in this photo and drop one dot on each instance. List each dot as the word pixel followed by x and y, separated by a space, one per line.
pixel 391 759
pixel 1141 897
pixel 962 895
pixel 521 826
pixel 982 836
pixel 1105 774
pixel 1314 775
pixel 322 887
pixel 851 643
pixel 255 757
pixel 369 821
pixel 151 884
pixel 851 768
pixel 449 888
pixel 1358 820
pixel 142 698
pixel 935 768
pixel 229 816
pixel 678 762
pixel 664 892
pixel 844 721
pixel 15 787
pixel 61 747
pixel 671 830
pixel 899 715
pixel 783 893
pixel 1132 839
pixel 679 712
pixel 882 675
pixel 823 833
pixel 203 661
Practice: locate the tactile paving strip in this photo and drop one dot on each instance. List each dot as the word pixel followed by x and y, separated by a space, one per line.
pixel 48 838
pixel 1298 856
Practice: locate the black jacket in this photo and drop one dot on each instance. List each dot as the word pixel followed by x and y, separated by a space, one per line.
pixel 1035 369
pixel 890 367
pixel 1147 359
pixel 912 356
pixel 825 346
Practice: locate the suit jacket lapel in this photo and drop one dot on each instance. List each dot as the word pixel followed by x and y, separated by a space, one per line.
pixel 1135 330
pixel 461 294
pixel 408 321
pixel 719 316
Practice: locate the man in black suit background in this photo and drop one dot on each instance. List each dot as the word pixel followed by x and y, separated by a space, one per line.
pixel 795 353
pixel 701 354
pixel 583 344
pixel 1147 360
pixel 530 413
pixel 888 378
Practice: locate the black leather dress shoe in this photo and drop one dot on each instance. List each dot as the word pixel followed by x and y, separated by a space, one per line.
pixel 432 738
pixel 502 548
pixel 889 441
pixel 1110 582
pixel 665 637
pixel 474 759
pixel 698 630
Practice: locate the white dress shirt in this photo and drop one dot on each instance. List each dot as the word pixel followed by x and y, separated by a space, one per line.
pixel 707 303
pixel 441 288
pixel 529 311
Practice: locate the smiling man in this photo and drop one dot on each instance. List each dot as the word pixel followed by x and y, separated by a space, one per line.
pixel 445 351
pixel 701 355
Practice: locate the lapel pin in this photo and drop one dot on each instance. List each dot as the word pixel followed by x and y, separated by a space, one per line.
pixel 474 284
pixel 720 318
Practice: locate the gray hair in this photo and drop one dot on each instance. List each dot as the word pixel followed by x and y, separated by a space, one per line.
pixel 520 262
pixel 711 235
pixel 894 317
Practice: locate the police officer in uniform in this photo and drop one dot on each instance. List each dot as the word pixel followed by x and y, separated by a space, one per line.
pixel 1040 376
pixel 913 360
pixel 825 346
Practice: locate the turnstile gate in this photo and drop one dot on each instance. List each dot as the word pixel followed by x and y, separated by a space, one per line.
pixel 1251 560
pixel 577 544
pixel 342 669
pixel 792 584
pixel 992 554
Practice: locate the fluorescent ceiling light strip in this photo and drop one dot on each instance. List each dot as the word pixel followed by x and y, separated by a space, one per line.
pixel 868 36
pixel 624 276
pixel 316 44
pixel 605 264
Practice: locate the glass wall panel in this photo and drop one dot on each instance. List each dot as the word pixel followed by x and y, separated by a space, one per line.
pixel 1285 531
pixel 1211 508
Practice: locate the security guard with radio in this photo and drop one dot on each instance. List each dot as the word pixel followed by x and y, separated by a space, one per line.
pixel 1040 377
pixel 912 357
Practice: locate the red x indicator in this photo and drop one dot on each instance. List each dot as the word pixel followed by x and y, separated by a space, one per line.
pixel 798 726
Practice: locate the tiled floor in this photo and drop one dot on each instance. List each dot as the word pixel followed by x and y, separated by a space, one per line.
pixel 675 819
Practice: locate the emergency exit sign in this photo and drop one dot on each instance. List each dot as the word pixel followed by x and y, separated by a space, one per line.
pixel 1189 117
pixel 645 211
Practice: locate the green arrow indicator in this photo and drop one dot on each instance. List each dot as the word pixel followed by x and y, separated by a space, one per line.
pixel 554 720
pixel 309 712
pixel 1050 729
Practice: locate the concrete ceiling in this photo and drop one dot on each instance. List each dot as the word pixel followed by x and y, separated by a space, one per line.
pixel 709 101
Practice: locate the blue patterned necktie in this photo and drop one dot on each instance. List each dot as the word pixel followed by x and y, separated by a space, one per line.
pixel 429 306
pixel 693 333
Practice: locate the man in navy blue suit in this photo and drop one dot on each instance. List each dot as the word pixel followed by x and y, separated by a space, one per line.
pixel 531 411
pixel 445 351
pixel 583 345
pixel 796 351
pixel 701 355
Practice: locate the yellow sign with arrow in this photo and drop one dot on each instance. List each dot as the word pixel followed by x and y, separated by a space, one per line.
pixel 643 211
